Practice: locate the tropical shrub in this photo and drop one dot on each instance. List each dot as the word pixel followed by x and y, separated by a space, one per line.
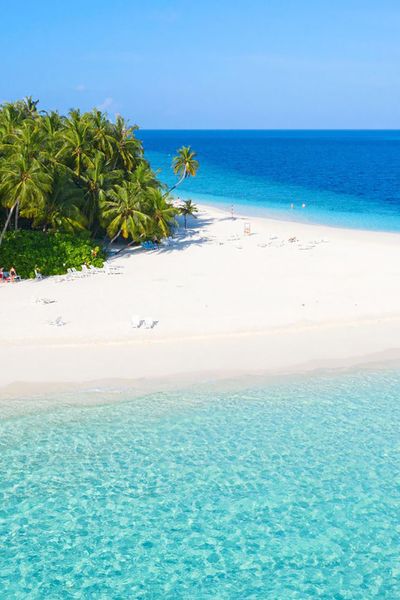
pixel 51 253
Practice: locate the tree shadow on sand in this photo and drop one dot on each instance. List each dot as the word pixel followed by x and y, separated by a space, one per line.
pixel 182 238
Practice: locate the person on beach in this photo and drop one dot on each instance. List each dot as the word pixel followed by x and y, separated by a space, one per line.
pixel 13 274
pixel 1 274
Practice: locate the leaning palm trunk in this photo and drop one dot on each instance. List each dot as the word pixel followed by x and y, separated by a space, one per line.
pixel 177 183
pixel 114 238
pixel 7 222
pixel 16 216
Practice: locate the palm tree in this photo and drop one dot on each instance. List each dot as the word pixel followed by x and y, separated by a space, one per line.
pixel 10 118
pixel 143 177
pixel 122 212
pixel 62 173
pixel 30 107
pixel 24 184
pixel 162 213
pixel 184 164
pixel 97 180
pixel 75 150
pixel 63 209
pixel 128 149
pixel 188 209
pixel 26 145
pixel 101 130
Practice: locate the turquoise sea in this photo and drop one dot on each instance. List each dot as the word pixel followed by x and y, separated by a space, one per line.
pixel 287 490
pixel 345 178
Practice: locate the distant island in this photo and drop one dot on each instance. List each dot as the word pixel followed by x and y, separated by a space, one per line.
pixel 72 185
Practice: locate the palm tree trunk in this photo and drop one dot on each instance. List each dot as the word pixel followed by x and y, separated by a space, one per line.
pixel 16 216
pixel 127 246
pixel 178 183
pixel 7 222
pixel 114 238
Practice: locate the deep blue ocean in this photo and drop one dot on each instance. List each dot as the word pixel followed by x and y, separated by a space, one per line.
pixel 345 178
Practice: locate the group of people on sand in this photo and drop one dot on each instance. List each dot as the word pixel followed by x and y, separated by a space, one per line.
pixel 8 276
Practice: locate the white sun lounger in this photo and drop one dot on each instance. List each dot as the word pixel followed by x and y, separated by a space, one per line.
pixel 136 321
pixel 73 273
pixel 85 271
pixel 95 270
pixel 149 322
pixel 111 270
pixel 58 322
pixel 44 300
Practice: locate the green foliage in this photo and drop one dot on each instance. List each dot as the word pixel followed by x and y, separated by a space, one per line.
pixel 81 173
pixel 188 209
pixel 51 253
pixel 184 164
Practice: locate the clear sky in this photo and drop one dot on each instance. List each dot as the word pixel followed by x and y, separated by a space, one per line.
pixel 208 63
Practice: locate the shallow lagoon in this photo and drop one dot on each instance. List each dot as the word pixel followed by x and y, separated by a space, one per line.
pixel 291 490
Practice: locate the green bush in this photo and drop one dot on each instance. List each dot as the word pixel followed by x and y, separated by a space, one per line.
pixel 51 253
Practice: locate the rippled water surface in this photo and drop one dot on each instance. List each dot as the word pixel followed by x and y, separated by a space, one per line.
pixel 345 178
pixel 289 491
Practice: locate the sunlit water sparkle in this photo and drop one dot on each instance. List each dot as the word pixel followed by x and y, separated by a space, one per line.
pixel 287 491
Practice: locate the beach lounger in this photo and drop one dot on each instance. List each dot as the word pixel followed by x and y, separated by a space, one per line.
pixel 149 322
pixel 85 271
pixel 58 322
pixel 95 270
pixel 44 300
pixel 112 270
pixel 136 321
pixel 149 245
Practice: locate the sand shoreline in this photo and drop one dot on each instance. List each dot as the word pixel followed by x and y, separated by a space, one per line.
pixel 226 302
pixel 109 389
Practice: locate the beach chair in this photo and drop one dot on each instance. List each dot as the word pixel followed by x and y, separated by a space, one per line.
pixel 149 322
pixel 136 321
pixel 112 270
pixel 148 245
pixel 95 270
pixel 85 271
pixel 58 322
pixel 44 300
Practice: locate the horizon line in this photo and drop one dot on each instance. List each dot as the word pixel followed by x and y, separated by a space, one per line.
pixel 267 129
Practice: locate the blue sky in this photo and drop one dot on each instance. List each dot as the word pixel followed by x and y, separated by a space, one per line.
pixel 209 63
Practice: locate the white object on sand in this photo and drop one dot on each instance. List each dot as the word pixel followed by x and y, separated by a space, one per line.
pixel 44 300
pixel 58 322
pixel 149 322
pixel 136 321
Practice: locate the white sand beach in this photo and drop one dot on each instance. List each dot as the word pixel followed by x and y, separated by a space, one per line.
pixel 226 303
